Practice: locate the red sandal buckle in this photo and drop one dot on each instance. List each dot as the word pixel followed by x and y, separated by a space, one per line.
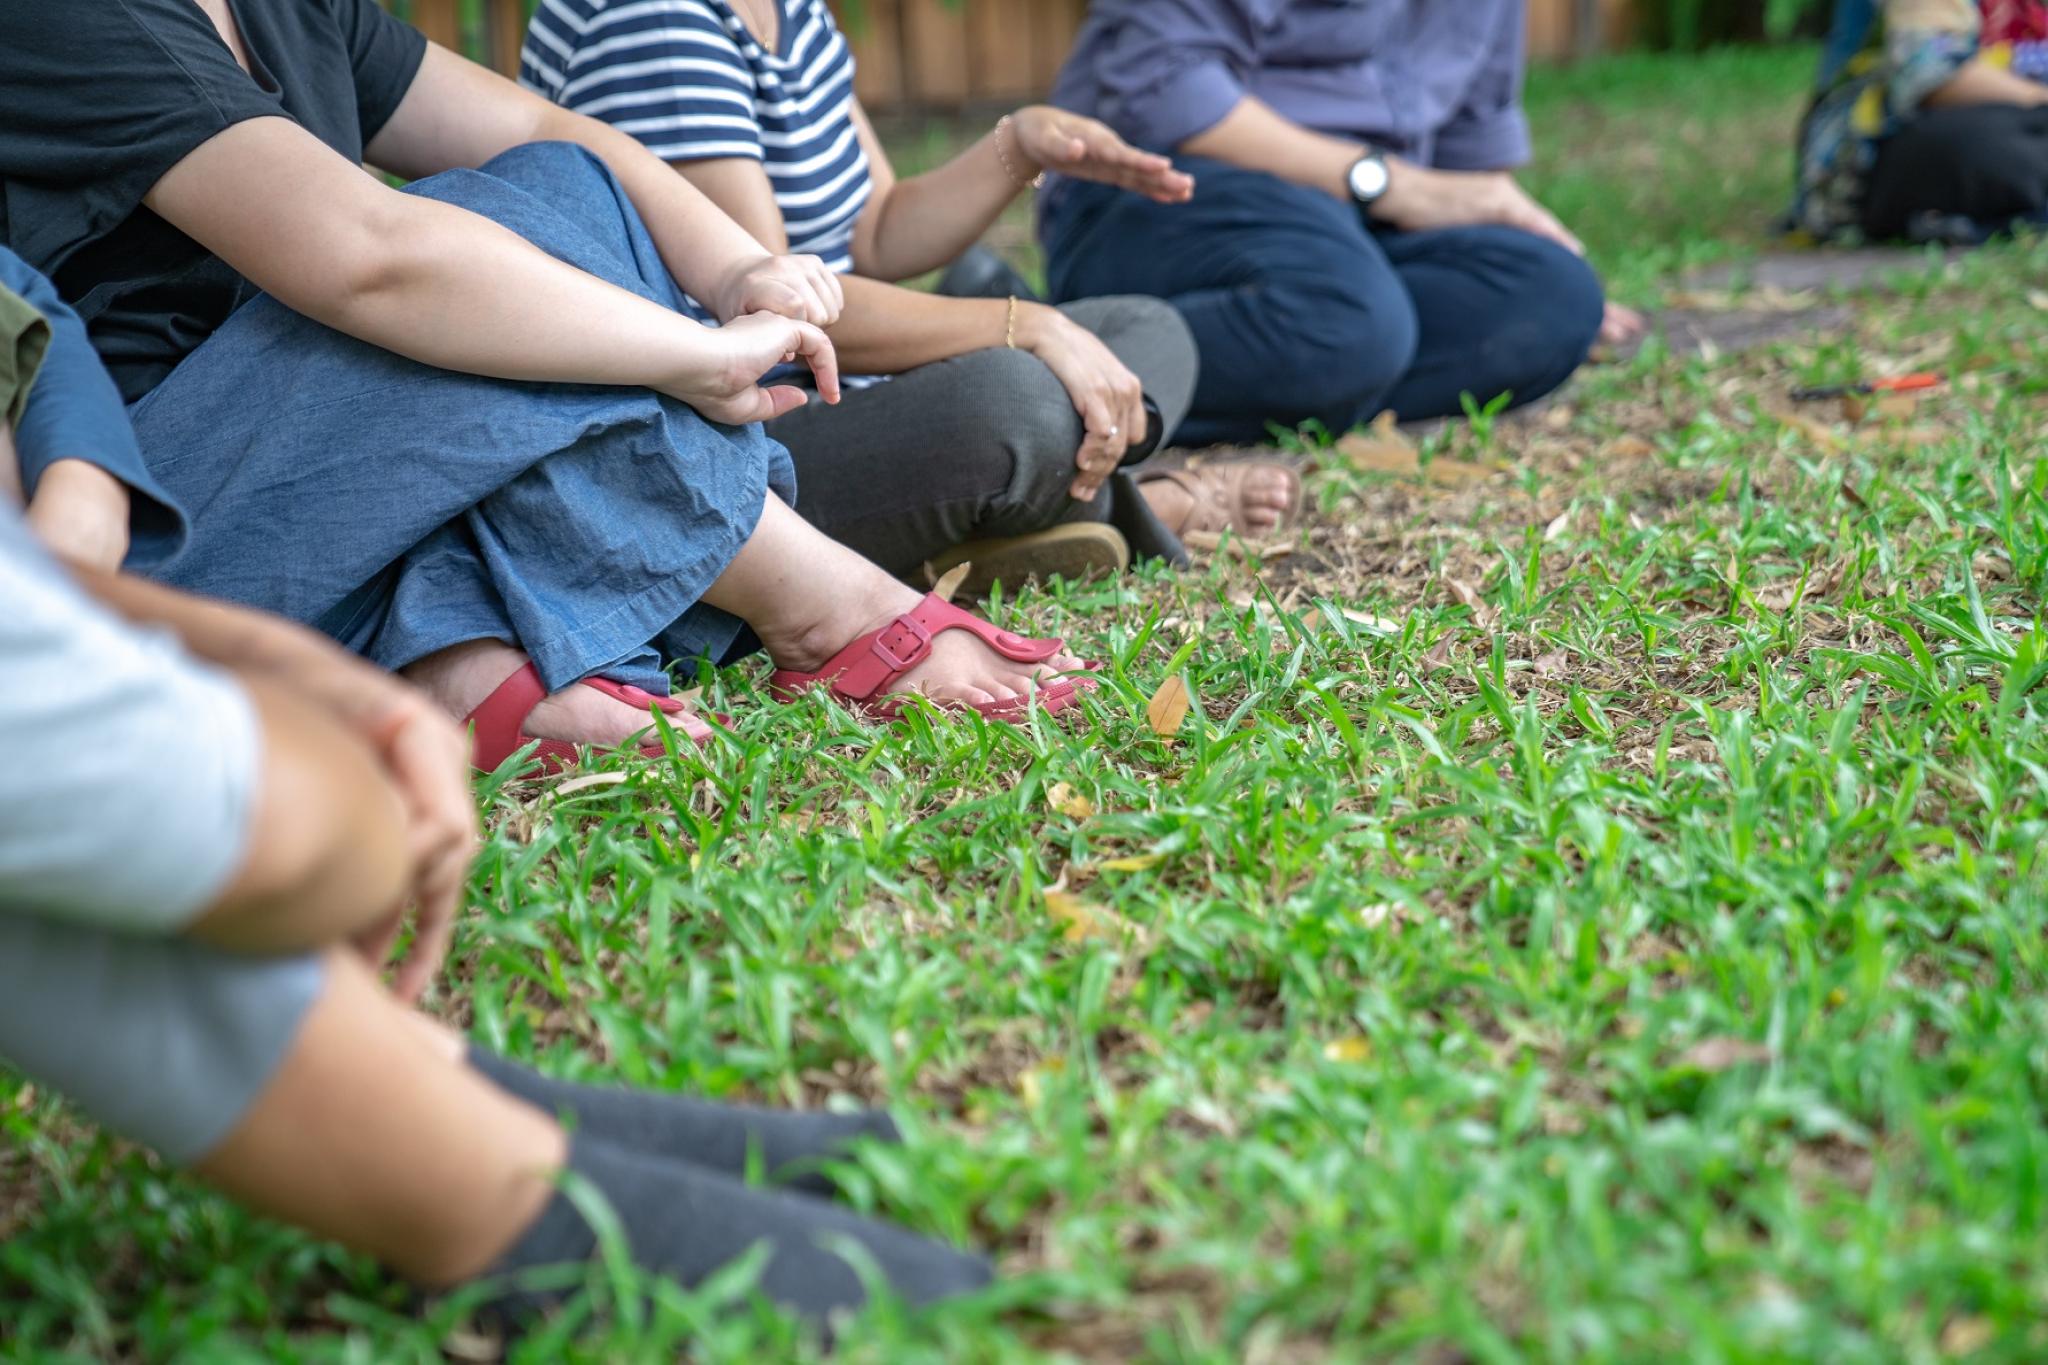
pixel 882 646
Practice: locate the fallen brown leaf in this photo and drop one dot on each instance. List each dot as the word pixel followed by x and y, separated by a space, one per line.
pixel 587 781
pixel 1380 448
pixel 949 583
pixel 1169 706
pixel 1068 802
pixel 1080 920
pixel 1723 1054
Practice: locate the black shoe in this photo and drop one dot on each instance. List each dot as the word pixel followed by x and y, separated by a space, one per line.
pixel 981 274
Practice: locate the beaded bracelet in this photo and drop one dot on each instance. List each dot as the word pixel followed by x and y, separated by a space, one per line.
pixel 1006 122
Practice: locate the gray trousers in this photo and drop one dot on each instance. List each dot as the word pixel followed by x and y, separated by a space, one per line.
pixel 981 445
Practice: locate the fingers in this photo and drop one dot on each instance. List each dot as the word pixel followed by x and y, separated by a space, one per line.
pixel 817 351
pixel 1621 325
pixel 435 930
pixel 1094 152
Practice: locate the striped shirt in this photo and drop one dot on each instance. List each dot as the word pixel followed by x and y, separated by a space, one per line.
pixel 688 79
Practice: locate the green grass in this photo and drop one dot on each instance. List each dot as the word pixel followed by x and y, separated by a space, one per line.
pixel 1596 913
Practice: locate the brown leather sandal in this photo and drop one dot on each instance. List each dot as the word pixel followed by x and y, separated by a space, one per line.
pixel 1218 490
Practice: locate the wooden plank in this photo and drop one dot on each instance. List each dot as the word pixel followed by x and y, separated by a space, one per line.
pixel 440 20
pixel 505 28
pixel 1054 24
pixel 875 29
pixel 935 53
pixel 999 50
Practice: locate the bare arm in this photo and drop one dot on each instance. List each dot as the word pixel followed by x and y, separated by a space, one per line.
pixel 433 282
pixel 1980 82
pixel 363 802
pixel 924 223
pixel 1251 135
pixel 459 114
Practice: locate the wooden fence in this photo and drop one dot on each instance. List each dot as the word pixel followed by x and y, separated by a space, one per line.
pixel 941 54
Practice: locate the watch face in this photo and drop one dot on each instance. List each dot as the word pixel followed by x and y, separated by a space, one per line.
pixel 1368 179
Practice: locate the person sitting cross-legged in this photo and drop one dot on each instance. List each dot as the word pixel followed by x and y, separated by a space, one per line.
pixel 465 427
pixel 1356 241
pixel 229 824
pixel 1929 123
pixel 999 430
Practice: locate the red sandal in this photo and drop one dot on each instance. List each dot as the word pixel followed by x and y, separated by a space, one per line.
pixel 860 674
pixel 499 723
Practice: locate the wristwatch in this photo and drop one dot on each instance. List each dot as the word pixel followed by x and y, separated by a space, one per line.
pixel 1369 179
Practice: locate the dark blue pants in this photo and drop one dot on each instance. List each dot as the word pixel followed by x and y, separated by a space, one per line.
pixel 1302 312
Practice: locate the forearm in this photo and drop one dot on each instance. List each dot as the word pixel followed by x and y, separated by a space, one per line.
pixel 1251 135
pixel 887 329
pixel 702 247
pixel 454 290
pixel 1979 82
pixel 926 222
pixel 230 636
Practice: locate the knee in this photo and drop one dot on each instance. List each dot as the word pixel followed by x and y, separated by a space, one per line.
pixel 1354 335
pixel 1024 428
pixel 1555 311
pixel 550 164
pixel 1152 338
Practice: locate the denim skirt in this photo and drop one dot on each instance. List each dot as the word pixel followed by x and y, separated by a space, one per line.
pixel 402 508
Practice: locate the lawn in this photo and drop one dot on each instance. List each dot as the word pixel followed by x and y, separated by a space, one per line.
pixel 1594 910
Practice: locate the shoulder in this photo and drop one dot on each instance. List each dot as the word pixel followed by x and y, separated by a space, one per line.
pixel 592 19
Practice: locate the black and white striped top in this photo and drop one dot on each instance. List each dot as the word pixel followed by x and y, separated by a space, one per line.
pixel 688 79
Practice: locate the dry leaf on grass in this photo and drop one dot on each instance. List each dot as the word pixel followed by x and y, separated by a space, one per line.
pixel 2038 298
pixel 1627 448
pixel 1381 915
pixel 587 781
pixel 1140 862
pixel 1723 1054
pixel 1559 524
pixel 1549 665
pixel 1968 1335
pixel 1352 1049
pixel 1081 920
pixel 1031 1081
pixel 1894 407
pixel 1446 472
pixel 1068 802
pixel 951 581
pixel 1465 595
pixel 1169 706
pixel 1814 430
pixel 1380 448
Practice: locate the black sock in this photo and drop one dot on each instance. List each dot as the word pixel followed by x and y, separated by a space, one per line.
pixel 717 1136
pixel 687 1223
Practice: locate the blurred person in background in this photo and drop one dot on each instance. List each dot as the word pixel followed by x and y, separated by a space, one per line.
pixel 1356 241
pixel 1929 122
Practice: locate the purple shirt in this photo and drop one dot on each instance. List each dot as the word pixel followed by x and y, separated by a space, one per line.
pixel 1436 81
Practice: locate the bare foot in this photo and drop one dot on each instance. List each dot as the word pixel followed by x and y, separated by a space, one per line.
pixel 1268 496
pixel 960 668
pixel 461 677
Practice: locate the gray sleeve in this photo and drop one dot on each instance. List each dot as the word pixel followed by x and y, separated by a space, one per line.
pixel 129 773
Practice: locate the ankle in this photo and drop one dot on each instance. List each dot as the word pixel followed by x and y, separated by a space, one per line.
pixel 811 637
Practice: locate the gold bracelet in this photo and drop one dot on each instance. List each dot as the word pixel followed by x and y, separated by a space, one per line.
pixel 1007 121
pixel 1010 325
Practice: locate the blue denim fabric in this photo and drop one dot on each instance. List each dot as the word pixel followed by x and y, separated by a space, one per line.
pixel 403 508
pixel 1301 311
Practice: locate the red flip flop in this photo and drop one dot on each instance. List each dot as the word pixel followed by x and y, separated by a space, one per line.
pixel 499 723
pixel 860 674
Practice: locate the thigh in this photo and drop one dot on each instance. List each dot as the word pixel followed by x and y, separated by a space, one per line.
pixel 144 761
pixel 1987 163
pixel 1241 229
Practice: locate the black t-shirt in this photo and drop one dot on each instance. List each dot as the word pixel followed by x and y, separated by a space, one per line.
pixel 100 98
